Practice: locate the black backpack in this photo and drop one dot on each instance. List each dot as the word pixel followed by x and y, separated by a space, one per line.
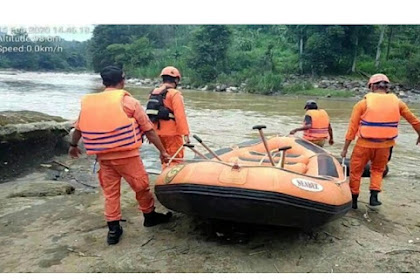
pixel 156 109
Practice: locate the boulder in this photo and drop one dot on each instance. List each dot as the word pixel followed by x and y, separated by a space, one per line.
pixel 221 88
pixel 27 138
pixel 232 89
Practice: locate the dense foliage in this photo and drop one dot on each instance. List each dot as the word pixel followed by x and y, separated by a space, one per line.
pixel 260 56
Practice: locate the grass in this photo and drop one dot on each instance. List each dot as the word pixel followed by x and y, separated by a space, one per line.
pixel 323 92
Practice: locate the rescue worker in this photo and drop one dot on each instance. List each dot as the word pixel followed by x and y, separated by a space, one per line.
pixel 375 121
pixel 166 110
pixel 111 124
pixel 316 125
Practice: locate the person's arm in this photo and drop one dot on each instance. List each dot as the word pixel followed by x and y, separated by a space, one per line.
pixel 345 148
pixel 74 150
pixel 180 116
pixel 306 126
pixel 358 111
pixel 411 118
pixel 330 132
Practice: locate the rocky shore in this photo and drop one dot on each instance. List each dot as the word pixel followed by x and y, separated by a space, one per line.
pixel 354 85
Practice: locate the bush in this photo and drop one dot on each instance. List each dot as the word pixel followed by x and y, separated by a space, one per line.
pixel 367 66
pixel 265 83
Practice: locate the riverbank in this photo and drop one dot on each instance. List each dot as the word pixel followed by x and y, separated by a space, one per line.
pixel 56 224
pixel 305 85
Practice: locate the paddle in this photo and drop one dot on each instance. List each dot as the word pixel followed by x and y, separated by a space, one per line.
pixel 206 147
pixel 260 128
pixel 195 151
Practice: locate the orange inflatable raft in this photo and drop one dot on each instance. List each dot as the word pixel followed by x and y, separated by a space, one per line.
pixel 305 188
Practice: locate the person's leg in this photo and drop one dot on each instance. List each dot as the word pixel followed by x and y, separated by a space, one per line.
pixel 132 170
pixel 359 158
pixel 110 182
pixel 377 168
pixel 172 144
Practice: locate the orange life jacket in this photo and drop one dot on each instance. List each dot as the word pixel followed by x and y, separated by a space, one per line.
pixel 320 124
pixel 380 121
pixel 105 126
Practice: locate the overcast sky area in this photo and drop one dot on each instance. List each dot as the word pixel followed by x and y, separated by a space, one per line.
pixel 77 32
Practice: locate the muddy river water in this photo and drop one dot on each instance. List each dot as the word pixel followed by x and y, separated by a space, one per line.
pixel 220 119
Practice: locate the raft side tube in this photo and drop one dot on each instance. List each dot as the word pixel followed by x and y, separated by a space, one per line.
pixel 248 206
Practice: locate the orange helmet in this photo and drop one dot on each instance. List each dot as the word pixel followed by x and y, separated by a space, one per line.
pixel 377 78
pixel 170 71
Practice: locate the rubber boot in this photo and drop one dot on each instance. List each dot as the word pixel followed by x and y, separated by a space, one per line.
pixel 114 233
pixel 354 198
pixel 153 218
pixel 374 198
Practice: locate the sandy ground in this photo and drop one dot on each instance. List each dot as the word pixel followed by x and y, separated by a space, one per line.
pixel 52 229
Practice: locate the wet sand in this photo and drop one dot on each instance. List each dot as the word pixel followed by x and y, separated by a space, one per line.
pixel 55 231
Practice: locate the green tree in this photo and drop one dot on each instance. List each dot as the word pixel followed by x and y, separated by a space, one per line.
pixel 209 51
pixel 136 54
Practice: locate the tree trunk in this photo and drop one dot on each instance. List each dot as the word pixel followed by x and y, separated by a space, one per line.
pixel 388 48
pixel 301 54
pixel 356 46
pixel 378 48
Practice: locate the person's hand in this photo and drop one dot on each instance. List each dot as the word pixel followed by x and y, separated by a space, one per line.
pixel 331 141
pixel 344 153
pixel 164 157
pixel 292 132
pixel 186 139
pixel 74 152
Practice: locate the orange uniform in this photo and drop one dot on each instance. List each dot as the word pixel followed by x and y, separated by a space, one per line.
pixel 171 131
pixel 375 122
pixel 117 162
